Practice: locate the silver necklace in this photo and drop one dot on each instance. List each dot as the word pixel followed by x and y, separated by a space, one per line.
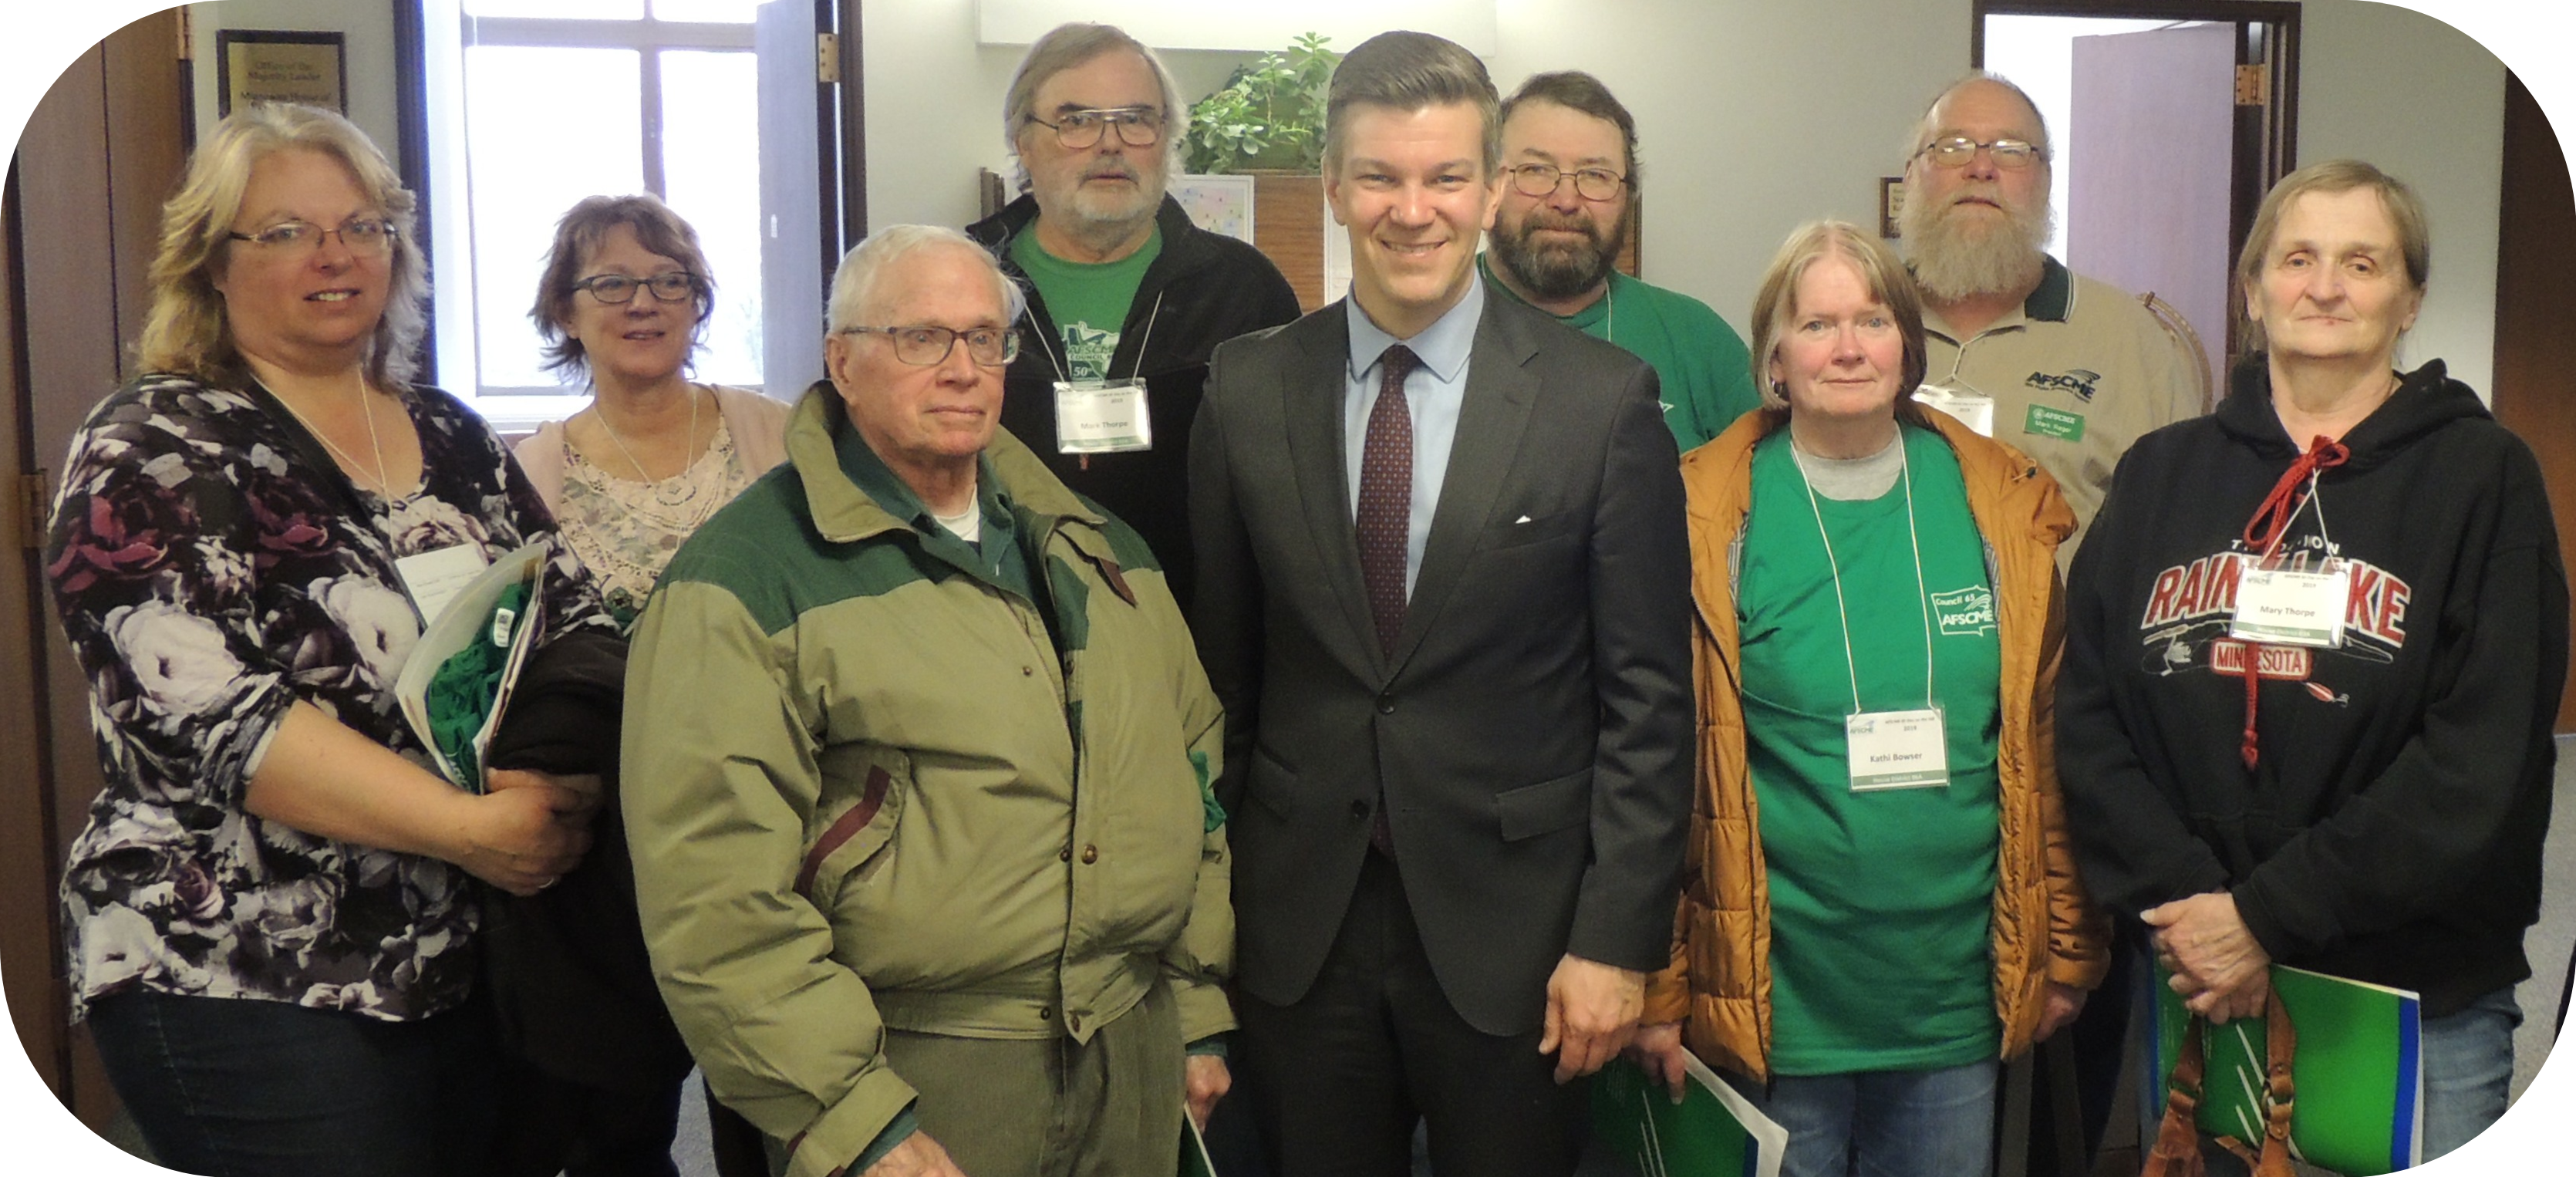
pixel 384 484
pixel 688 487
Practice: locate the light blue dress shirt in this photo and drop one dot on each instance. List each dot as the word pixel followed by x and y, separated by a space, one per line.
pixel 1433 392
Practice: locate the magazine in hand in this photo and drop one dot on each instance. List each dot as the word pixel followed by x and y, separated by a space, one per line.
pixel 466 618
pixel 1713 1132
pixel 2359 1109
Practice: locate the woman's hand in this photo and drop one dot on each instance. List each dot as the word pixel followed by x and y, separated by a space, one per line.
pixel 2059 1005
pixel 529 829
pixel 2218 967
pixel 1658 1049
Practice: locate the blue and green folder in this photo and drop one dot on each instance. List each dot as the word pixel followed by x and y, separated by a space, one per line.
pixel 2359 1074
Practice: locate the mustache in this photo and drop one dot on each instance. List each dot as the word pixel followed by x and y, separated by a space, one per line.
pixel 1110 171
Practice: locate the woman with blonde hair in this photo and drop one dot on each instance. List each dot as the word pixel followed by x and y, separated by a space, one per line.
pixel 269 916
pixel 1879 904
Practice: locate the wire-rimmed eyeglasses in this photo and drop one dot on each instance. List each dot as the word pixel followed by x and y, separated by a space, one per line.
pixel 364 236
pixel 1080 130
pixel 926 346
pixel 1954 151
pixel 1538 179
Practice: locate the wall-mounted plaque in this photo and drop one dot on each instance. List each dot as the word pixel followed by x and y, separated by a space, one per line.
pixel 263 65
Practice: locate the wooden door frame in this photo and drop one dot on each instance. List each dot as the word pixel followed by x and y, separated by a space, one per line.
pixel 2536 220
pixel 2267 135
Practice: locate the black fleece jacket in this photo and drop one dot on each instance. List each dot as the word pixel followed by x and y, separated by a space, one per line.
pixel 2391 828
pixel 1209 289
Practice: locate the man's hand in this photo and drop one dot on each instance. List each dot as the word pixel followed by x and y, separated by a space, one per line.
pixel 1206 1079
pixel 2059 1006
pixel 917 1156
pixel 1658 1049
pixel 2218 967
pixel 1592 1011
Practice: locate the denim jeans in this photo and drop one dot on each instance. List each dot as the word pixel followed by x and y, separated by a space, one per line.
pixel 2468 1070
pixel 226 1087
pixel 1938 1123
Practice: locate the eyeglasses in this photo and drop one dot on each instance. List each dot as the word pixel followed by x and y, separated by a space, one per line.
pixel 1538 179
pixel 2012 155
pixel 363 236
pixel 923 347
pixel 618 289
pixel 1080 130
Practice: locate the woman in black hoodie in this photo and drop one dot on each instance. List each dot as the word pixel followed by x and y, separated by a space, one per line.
pixel 2315 643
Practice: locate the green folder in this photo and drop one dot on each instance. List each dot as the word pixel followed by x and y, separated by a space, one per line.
pixel 1713 1132
pixel 1194 1153
pixel 2359 1107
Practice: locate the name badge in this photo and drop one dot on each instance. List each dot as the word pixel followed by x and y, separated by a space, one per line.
pixel 2292 608
pixel 1897 750
pixel 432 579
pixel 1102 417
pixel 1974 410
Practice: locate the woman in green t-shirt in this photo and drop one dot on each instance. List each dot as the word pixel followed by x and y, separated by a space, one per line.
pixel 1883 905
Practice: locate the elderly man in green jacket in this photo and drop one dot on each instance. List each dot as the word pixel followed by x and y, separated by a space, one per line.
pixel 917 766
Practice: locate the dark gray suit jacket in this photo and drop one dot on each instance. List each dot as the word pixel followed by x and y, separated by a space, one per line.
pixel 1533 727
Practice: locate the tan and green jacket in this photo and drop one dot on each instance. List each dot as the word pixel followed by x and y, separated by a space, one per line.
pixel 2044 929
pixel 868 787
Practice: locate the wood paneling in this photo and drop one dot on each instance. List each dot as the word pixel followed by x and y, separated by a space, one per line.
pixel 1288 226
pixel 2534 393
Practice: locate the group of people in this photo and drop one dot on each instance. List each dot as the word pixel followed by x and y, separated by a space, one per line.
pixel 1111 696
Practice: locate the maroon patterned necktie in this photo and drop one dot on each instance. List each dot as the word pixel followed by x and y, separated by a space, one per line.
pixel 1386 495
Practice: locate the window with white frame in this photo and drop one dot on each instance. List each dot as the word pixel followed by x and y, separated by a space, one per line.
pixel 535 104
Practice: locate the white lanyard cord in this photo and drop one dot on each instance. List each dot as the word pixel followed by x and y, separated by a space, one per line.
pixel 1835 566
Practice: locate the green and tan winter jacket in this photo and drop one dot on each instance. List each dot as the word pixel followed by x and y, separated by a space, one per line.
pixel 870 787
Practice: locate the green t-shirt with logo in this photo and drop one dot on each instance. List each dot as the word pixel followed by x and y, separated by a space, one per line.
pixel 1880 902
pixel 1088 301
pixel 1704 368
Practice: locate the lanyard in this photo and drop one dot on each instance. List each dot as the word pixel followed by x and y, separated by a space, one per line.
pixel 1833 563
pixel 1134 370
pixel 2272 520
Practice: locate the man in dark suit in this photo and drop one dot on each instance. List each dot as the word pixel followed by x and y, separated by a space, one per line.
pixel 1444 596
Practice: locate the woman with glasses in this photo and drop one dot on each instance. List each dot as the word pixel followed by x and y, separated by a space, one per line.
pixel 1880 904
pixel 623 303
pixel 269 920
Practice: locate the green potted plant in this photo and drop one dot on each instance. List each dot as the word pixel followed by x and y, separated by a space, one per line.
pixel 1269 116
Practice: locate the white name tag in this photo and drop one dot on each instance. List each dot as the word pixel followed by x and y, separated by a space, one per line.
pixel 1974 410
pixel 1897 750
pixel 432 579
pixel 2292 608
pixel 1094 417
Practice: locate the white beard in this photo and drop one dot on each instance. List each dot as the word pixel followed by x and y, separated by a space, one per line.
pixel 1955 257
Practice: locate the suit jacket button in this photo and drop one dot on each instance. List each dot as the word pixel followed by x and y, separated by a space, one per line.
pixel 1359 809
pixel 1386 704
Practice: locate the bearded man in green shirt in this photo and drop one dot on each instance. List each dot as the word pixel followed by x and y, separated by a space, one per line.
pixel 1571 150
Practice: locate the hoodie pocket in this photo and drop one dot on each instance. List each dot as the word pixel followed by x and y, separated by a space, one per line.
pixel 851 836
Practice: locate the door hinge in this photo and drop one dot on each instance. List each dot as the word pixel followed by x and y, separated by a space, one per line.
pixel 827 58
pixel 31 510
pixel 2253 85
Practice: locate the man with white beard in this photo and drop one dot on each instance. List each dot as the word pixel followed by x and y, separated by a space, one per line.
pixel 2076 369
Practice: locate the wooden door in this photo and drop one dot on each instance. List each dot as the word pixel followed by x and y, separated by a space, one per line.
pixel 2534 394
pixel 2147 205
pixel 98 157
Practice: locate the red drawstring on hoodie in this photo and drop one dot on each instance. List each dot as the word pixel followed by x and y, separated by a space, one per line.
pixel 2262 536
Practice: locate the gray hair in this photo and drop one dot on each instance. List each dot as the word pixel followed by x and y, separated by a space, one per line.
pixel 1066 46
pixel 1926 126
pixel 187 330
pixel 854 284
pixel 1409 71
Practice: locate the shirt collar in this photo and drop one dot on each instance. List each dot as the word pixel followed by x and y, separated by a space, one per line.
pixel 869 473
pixel 2050 302
pixel 1442 347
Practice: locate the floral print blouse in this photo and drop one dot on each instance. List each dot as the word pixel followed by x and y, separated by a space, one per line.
pixel 213 566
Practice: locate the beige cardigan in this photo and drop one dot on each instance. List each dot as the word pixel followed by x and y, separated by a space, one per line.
pixel 758 425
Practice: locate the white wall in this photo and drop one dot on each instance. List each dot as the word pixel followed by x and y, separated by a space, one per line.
pixel 368 26
pixel 2425 102
pixel 1755 115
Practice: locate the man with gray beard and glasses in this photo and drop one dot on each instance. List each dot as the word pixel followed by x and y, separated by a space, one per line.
pixel 2076 369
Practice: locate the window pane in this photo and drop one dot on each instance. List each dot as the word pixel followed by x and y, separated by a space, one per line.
pixel 526 171
pixel 711 170
pixel 732 12
pixel 559 9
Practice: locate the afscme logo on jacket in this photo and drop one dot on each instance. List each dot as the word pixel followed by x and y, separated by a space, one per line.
pixel 2189 611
